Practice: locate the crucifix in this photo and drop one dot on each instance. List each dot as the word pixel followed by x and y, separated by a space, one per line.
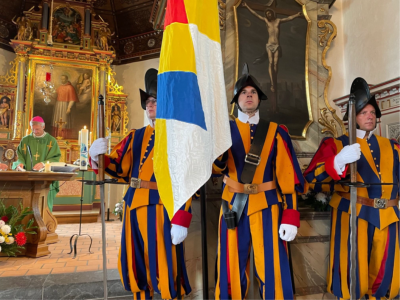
pixel 24 149
pixel 60 124
pixel 273 49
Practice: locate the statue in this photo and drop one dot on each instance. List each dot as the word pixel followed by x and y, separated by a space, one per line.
pixel 24 28
pixel 103 38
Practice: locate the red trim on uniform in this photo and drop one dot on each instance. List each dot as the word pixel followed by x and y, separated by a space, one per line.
pixel 326 150
pixel 121 149
pixel 106 163
pixel 291 217
pixel 330 168
pixel 182 218
pixel 381 272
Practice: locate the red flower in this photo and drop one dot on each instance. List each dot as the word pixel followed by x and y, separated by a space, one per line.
pixel 20 238
pixel 4 218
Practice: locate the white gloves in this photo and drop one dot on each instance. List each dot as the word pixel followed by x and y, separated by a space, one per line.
pixel 98 147
pixel 349 154
pixel 287 232
pixel 178 234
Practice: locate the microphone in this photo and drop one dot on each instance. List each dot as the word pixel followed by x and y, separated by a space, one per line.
pixel 30 155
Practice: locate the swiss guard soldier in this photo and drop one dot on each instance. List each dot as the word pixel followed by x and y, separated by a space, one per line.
pixel 147 259
pixel 377 203
pixel 259 207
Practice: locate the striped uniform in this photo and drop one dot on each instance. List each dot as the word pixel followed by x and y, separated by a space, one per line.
pixel 147 259
pixel 378 229
pixel 263 213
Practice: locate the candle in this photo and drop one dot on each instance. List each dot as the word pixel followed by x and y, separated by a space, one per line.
pixel 84 149
pixel 90 139
pixel 47 167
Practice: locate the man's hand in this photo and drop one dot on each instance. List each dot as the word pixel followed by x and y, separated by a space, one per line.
pixel 68 110
pixel 20 167
pixel 98 147
pixel 348 154
pixel 287 232
pixel 38 166
pixel 178 234
pixel 3 167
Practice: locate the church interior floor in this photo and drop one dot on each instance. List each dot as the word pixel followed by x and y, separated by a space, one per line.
pixel 59 261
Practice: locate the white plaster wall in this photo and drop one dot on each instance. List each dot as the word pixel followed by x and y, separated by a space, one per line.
pixel 5 58
pixel 131 77
pixel 367 44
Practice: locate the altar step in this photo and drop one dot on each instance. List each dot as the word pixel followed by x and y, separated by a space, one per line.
pixel 72 216
pixel 83 285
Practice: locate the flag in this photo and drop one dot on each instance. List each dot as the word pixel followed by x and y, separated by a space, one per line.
pixel 192 127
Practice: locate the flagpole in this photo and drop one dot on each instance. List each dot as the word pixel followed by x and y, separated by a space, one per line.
pixel 179 269
pixel 203 213
pixel 100 134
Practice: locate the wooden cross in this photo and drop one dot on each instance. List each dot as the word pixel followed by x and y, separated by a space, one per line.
pixel 36 155
pixel 49 146
pixel 24 149
pixel 60 125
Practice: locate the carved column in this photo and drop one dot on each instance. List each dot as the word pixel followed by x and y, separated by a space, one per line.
pixel 19 107
pixel 45 16
pixel 87 35
pixel 102 80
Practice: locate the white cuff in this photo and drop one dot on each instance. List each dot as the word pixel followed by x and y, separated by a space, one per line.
pixel 94 164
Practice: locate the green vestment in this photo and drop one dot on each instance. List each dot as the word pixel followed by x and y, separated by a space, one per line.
pixel 44 149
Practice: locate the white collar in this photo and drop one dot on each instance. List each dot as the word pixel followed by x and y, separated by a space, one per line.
pixel 245 118
pixel 39 136
pixel 361 133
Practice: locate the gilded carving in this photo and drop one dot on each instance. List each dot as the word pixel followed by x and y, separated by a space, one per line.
pixel 11 76
pixel 328 125
pixel 112 85
pixel 325 31
pixel 222 14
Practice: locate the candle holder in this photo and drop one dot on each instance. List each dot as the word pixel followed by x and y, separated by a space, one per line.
pixel 77 235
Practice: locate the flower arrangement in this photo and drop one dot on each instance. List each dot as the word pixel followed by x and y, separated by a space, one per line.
pixel 319 201
pixel 12 232
pixel 119 208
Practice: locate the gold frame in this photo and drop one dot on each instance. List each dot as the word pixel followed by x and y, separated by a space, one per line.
pixel 55 62
pixel 310 116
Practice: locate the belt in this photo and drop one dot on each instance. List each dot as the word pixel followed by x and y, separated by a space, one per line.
pixel 380 203
pixel 138 183
pixel 251 188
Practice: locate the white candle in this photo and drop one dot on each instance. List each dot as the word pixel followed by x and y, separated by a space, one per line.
pixel 47 167
pixel 84 149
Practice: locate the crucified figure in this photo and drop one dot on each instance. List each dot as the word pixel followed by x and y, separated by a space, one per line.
pixel 272 46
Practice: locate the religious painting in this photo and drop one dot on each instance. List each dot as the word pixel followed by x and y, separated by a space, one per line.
pixel 272 39
pixel 67 26
pixel 116 119
pixel 69 99
pixel 5 111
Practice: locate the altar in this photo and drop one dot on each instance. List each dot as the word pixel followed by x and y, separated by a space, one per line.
pixel 31 191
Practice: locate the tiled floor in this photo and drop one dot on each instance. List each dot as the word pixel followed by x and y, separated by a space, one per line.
pixel 59 261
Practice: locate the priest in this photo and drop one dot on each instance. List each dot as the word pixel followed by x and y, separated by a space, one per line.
pixel 35 150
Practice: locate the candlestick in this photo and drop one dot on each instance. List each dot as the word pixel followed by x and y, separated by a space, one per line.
pixel 84 149
pixel 47 167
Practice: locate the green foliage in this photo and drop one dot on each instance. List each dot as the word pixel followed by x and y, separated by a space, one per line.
pixel 15 215
pixel 310 199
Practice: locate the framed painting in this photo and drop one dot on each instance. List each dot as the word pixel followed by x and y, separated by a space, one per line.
pixel 7 104
pixel 272 38
pixel 67 25
pixel 70 103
